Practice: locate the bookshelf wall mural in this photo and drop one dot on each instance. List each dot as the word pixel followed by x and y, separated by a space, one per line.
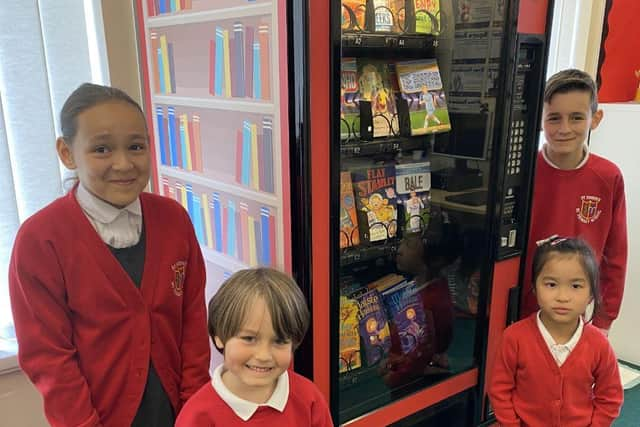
pixel 216 77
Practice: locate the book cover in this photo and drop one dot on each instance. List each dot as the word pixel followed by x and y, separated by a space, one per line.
pixel 427 16
pixel 349 336
pixel 349 235
pixel 404 308
pixel 421 88
pixel 349 93
pixel 384 18
pixel 353 14
pixel 413 185
pixel 374 189
pixel 373 326
pixel 375 87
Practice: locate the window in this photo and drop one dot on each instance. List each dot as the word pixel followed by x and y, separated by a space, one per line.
pixel 52 47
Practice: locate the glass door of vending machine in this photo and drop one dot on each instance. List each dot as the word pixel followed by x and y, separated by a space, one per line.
pixel 423 124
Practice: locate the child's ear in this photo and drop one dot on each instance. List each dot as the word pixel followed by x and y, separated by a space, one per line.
pixel 218 342
pixel 596 119
pixel 65 154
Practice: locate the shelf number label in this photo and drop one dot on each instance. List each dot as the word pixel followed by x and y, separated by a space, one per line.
pixel 401 42
pixel 357 41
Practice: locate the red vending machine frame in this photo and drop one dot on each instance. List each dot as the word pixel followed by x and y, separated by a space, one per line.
pixel 501 301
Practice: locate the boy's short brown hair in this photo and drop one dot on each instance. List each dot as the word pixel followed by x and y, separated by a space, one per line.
pixel 286 304
pixel 572 80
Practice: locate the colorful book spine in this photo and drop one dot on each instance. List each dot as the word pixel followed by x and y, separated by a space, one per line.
pixel 219 68
pixel 246 152
pixel 239 241
pixel 178 139
pixel 253 256
pixel 155 45
pixel 231 228
pixel 173 144
pixel 190 209
pixel 183 146
pixel 272 242
pixel 225 234
pixel 164 48
pixel 258 247
pixel 198 220
pixel 212 67
pixel 151 8
pixel 187 142
pixel 257 85
pixel 248 63
pixel 207 220
pixel 267 156
pixel 161 79
pixel 172 5
pixel 239 137
pixel 255 173
pixel 213 222
pixel 244 232
pixel 172 70
pixel 263 37
pixel 266 237
pixel 227 65
pixel 238 58
pixel 162 140
pixel 162 8
pixel 217 219
pixel 184 197
pixel 197 144
pixel 165 186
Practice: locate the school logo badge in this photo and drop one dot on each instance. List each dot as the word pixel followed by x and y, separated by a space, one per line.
pixel 588 211
pixel 179 273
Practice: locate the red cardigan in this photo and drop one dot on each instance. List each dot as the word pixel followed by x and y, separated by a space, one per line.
pixel 528 388
pixel 588 202
pixel 305 407
pixel 86 334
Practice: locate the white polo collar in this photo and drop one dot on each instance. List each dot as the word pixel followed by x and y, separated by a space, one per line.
pixel 102 211
pixel 550 163
pixel 245 409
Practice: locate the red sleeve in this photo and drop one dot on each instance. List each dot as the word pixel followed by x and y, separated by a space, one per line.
pixel 613 268
pixel 607 392
pixel 44 330
pixel 320 414
pixel 195 338
pixel 503 381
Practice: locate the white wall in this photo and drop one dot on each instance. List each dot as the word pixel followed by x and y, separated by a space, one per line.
pixel 20 402
pixel 617 139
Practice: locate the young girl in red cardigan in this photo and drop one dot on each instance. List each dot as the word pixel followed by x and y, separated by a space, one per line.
pixel 552 368
pixel 257 319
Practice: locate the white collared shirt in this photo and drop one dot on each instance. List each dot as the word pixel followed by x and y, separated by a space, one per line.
pixel 550 163
pixel 118 228
pixel 243 408
pixel 560 352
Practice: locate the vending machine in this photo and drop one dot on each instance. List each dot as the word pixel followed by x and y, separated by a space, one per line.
pixel 382 151
pixel 416 125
